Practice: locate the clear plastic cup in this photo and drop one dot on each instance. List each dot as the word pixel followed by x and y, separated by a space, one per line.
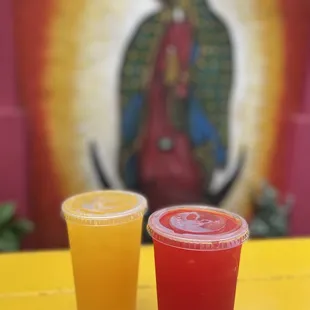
pixel 197 254
pixel 105 235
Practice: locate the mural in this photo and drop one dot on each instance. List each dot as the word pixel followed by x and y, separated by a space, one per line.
pixel 185 101
pixel 175 87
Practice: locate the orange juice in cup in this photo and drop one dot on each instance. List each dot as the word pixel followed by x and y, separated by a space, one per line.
pixel 105 233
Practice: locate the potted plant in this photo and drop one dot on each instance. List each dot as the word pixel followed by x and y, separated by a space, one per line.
pixel 271 216
pixel 12 228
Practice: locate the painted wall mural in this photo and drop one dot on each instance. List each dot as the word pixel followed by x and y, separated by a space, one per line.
pixel 185 101
pixel 176 81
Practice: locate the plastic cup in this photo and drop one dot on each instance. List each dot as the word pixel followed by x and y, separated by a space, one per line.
pixel 197 253
pixel 105 235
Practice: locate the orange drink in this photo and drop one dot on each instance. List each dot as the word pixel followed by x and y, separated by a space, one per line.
pixel 105 234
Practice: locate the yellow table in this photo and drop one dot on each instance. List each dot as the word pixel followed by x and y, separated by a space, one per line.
pixel 274 275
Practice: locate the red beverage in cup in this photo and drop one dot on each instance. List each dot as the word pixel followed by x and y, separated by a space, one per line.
pixel 197 254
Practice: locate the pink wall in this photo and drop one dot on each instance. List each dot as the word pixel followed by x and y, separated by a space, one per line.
pixel 12 121
pixel 7 87
pixel 299 178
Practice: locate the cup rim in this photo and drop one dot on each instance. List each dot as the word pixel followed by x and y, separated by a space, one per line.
pixel 99 219
pixel 198 242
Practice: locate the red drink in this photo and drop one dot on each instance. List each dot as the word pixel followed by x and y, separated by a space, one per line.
pixel 197 253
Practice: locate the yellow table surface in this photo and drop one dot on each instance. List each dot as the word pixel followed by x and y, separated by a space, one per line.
pixel 274 275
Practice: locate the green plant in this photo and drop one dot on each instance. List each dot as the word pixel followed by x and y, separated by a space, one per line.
pixel 12 229
pixel 271 216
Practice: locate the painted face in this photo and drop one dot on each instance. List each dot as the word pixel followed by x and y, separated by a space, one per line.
pixel 177 3
pixel 171 2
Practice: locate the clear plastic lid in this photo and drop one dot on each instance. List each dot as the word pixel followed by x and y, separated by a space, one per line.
pixel 102 208
pixel 198 228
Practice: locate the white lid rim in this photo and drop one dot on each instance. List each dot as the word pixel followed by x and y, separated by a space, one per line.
pixel 225 241
pixel 138 210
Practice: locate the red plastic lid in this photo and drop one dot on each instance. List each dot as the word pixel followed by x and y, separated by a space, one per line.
pixel 198 228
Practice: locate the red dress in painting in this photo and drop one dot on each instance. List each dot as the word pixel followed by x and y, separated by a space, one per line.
pixel 169 173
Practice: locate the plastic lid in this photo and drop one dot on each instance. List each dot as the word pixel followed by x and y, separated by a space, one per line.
pixel 102 208
pixel 198 228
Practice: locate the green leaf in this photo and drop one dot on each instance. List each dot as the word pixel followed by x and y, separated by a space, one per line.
pixel 9 242
pixel 6 213
pixel 22 227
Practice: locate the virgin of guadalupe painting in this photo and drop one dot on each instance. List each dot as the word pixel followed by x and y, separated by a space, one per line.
pixel 162 97
pixel 175 86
